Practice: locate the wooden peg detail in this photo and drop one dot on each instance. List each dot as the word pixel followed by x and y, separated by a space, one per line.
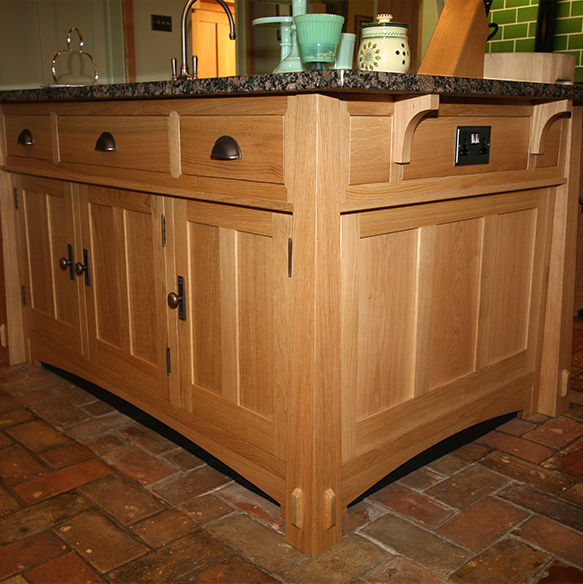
pixel 408 114
pixel 566 378
pixel 330 505
pixel 297 508
pixel 543 116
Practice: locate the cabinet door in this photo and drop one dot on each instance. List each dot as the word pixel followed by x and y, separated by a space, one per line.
pixel 51 291
pixel 125 286
pixel 233 328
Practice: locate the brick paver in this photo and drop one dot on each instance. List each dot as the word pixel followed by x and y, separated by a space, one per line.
pixel 88 495
pixel 408 503
pixel 100 541
pixel 554 538
pixel 62 480
pixel 66 569
pixel 483 523
pixel 507 561
pixel 139 465
pixel 517 446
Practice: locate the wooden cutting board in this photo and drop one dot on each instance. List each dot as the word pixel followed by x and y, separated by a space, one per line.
pixel 535 67
pixel 459 41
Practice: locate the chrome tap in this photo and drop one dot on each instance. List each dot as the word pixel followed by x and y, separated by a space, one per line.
pixel 184 72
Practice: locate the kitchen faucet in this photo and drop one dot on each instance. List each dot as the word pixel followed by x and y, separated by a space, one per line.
pixel 184 73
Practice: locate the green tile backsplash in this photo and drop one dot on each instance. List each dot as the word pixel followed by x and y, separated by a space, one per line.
pixel 517 22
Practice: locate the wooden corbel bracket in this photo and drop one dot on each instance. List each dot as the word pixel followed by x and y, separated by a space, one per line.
pixel 408 113
pixel 543 116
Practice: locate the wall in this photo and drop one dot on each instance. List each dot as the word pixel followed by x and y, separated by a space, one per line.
pixel 517 21
pixel 154 48
pixel 33 31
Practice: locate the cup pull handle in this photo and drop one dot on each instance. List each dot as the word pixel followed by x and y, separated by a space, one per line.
pixel 226 148
pixel 106 142
pixel 25 138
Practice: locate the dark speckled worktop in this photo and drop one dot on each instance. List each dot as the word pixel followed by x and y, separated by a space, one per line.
pixel 316 81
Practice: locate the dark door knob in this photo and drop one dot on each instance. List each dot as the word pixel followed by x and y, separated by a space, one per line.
pixel 178 300
pixel 174 300
pixel 80 268
pixel 68 262
pixel 83 268
pixel 63 263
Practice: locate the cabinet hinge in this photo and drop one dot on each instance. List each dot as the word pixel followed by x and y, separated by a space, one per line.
pixel 15 191
pixel 168 367
pixel 163 219
pixel 289 257
pixel 23 291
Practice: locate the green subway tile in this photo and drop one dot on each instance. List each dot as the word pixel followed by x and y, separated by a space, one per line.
pixel 517 3
pixel 498 35
pixel 504 16
pixel 515 31
pixel 560 42
pixel 577 55
pixel 579 75
pixel 532 29
pixel 563 9
pixel 502 46
pixel 577 8
pixel 527 14
pixel 575 41
pixel 525 46
pixel 568 25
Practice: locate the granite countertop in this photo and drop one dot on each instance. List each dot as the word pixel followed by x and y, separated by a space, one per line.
pixel 311 81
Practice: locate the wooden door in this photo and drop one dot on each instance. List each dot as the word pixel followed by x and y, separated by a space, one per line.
pixel 49 236
pixel 124 250
pixel 233 330
pixel 210 40
pixel 442 307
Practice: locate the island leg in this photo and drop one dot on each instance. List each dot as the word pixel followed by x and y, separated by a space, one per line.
pixel 317 129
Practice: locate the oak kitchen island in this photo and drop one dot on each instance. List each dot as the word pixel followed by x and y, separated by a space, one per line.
pixel 291 270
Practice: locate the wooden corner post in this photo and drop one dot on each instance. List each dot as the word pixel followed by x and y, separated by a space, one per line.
pixel 558 324
pixel 318 136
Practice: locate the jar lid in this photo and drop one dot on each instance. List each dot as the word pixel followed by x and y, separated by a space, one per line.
pixel 384 20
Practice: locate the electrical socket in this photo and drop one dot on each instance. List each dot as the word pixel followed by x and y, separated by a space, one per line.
pixel 163 23
pixel 472 145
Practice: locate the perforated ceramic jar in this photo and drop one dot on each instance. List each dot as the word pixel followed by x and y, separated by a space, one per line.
pixel 383 46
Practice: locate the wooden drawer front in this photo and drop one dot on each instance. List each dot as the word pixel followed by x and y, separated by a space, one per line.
pixel 40 130
pixel 433 150
pixel 142 142
pixel 260 139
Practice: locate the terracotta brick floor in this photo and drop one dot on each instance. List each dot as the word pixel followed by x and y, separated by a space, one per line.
pixel 93 491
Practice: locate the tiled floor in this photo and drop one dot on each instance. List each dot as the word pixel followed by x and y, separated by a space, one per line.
pixel 91 493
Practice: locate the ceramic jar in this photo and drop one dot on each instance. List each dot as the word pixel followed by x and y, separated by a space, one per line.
pixel 383 46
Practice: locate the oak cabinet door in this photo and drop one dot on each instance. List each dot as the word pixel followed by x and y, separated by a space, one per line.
pixel 126 294
pixel 233 331
pixel 48 236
